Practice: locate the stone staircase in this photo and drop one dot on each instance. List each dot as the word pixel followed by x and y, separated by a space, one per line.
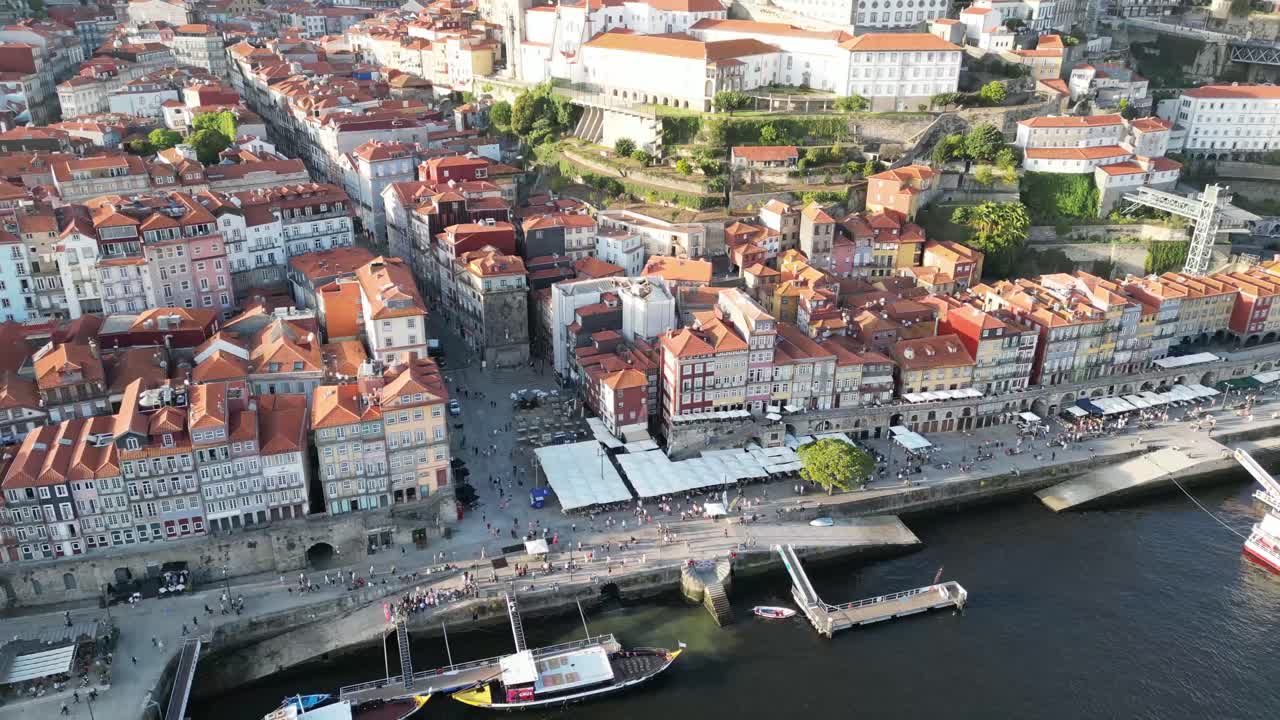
pixel 716 601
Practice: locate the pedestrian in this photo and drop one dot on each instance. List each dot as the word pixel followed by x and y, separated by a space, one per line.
pixel 65 710
pixel 76 696
pixel 134 659
pixel 67 616
pixel 184 630
pixel 154 642
pixel 195 621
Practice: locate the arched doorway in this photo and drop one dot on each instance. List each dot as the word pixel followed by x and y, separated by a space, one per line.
pixel 69 582
pixel 1040 407
pixel 1207 379
pixel 321 556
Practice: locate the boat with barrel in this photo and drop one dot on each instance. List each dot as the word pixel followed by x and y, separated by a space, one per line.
pixel 327 707
pixel 526 682
pixel 773 612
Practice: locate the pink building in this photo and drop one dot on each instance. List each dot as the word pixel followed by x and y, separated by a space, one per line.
pixel 185 254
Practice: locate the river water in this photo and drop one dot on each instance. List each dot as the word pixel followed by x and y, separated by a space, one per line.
pixel 1147 611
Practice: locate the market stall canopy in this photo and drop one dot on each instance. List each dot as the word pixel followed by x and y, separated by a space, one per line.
pixel 1077 412
pixel 36 665
pixel 714 509
pixel 938 395
pixel 1266 378
pixel 1029 417
pixel 653 474
pixel 909 439
pixel 1169 363
pixel 537 546
pixel 581 475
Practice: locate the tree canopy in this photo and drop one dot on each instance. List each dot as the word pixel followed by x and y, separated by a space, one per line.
pixel 993 93
pixel 624 147
pixel 730 100
pixel 211 134
pixel 835 465
pixel 163 139
pixel 950 147
pixel 500 116
pixel 539 115
pixel 999 230
pixel 983 142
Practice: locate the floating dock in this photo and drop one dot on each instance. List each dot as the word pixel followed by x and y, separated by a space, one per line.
pixel 829 619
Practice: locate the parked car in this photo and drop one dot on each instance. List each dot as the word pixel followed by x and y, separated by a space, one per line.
pixel 454 408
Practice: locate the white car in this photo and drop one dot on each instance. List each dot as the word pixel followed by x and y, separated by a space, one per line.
pixel 822 522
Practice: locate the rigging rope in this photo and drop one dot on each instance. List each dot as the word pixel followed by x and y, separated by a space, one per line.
pixel 1205 509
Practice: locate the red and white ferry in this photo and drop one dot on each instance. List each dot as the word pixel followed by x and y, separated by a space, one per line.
pixel 1263 545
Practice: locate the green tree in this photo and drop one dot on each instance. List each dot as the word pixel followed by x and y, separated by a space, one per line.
pixel 999 230
pixel 993 93
pixel 684 167
pixel 163 139
pixel 817 156
pixel 641 156
pixel 500 116
pixel 624 147
pixel 983 142
pixel 942 100
pixel 870 167
pixel 1240 8
pixel 853 103
pixel 770 135
pixel 730 100
pixel 950 147
pixel 140 147
pixel 835 465
pixel 802 165
pixel 208 143
pixel 223 121
pixel 984 176
pixel 1006 159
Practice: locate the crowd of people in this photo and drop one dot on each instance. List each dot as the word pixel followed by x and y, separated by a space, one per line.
pixel 420 600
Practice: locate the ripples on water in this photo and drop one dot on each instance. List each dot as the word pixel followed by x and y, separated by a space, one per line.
pixel 1148 611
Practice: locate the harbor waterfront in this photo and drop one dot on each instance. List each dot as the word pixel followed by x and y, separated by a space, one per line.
pixel 1060 624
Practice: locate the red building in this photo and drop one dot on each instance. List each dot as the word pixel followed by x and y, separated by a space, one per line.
pixel 455 167
pixel 1251 314
pixel 688 373
pixel 172 326
pixel 464 238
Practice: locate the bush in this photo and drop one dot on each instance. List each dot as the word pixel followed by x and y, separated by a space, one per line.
pixel 942 100
pixel 983 142
pixel 818 156
pixel 822 197
pixel 1163 257
pixel 853 103
pixel 622 186
pixel 984 176
pixel 725 131
pixel 641 156
pixel 680 130
pixel 684 167
pixel 1053 198
pixel 624 147
pixel 730 100
pixel 993 93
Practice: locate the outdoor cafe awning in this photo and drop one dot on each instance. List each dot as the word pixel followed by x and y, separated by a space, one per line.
pixel 908 439
pixel 1074 411
pixel 536 546
pixel 34 666
pixel 1266 378
pixel 1029 417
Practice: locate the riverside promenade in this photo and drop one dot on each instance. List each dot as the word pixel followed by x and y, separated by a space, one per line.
pixel 150 632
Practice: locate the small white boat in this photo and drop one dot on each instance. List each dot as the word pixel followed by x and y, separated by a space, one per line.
pixel 822 522
pixel 773 612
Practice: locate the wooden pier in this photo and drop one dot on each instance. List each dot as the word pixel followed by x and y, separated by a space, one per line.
pixel 829 619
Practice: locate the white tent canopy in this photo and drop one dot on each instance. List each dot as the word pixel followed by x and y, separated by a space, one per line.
pixel 908 439
pixel 537 546
pixel 1267 377
pixel 581 475
pixel 653 474
pixel 1169 363
pixel 713 510
pixel 1029 417
pixel 1074 411
pixel 40 664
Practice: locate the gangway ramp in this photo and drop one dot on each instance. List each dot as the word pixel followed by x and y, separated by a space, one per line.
pixel 829 619
pixel 183 677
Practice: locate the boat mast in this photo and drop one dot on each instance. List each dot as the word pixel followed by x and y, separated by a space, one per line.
pixel 583 615
pixel 447 652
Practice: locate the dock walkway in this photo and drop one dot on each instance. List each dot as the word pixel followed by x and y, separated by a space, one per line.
pixel 829 619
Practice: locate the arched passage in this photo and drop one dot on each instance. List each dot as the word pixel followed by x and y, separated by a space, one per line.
pixel 69 581
pixel 1208 379
pixel 1040 407
pixel 321 556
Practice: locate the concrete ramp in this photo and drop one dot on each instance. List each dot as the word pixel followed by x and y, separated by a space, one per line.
pixel 1150 471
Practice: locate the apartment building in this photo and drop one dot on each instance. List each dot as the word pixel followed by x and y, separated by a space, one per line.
pixel 70 380
pixel 932 363
pixel 282 452
pixel 1226 122
pixel 395 318
pixel 904 190
pixel 78 179
pixel 413 399
pixel 347 432
pixel 491 305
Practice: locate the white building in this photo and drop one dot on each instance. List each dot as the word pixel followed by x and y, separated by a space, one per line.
pixel 78 266
pixel 395 318
pixel 659 236
pixel 1105 85
pixel 554 34
pixel 142 98
pixel 648 310
pixel 869 14
pixel 1063 131
pixel 898 71
pixel 622 248
pixel 1227 121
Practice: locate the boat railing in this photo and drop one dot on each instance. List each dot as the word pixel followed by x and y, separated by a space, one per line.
pixel 462 667
pixel 886 598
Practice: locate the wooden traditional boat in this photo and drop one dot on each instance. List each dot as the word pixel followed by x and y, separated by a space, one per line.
pixel 526 682
pixel 316 707
pixel 773 612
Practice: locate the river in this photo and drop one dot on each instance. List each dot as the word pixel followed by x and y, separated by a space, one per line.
pixel 1147 611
